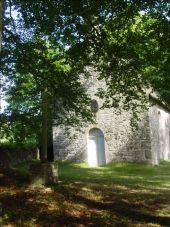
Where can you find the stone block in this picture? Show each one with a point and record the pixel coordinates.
(43, 174)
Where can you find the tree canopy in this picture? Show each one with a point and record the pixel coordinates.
(48, 44)
(44, 90)
(107, 34)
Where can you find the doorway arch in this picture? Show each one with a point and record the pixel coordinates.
(96, 148)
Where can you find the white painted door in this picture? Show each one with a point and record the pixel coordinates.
(92, 152)
(96, 148)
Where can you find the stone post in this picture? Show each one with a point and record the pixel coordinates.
(43, 174)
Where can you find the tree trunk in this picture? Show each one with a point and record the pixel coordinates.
(1, 21)
(1, 31)
(44, 125)
(50, 154)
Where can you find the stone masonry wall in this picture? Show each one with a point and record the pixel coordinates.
(11, 156)
(160, 133)
(122, 144)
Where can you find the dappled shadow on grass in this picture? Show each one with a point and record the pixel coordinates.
(9, 177)
(119, 203)
(115, 195)
(27, 207)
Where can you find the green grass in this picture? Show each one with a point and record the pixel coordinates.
(121, 173)
(113, 195)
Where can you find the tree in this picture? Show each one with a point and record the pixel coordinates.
(1, 31)
(137, 58)
(158, 58)
(1, 21)
(43, 78)
(101, 34)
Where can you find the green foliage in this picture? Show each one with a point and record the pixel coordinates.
(19, 129)
(39, 64)
(10, 147)
(49, 43)
(136, 58)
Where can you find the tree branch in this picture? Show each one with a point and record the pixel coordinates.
(10, 12)
(14, 37)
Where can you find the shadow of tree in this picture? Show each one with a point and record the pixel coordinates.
(121, 206)
(22, 207)
(9, 177)
(101, 199)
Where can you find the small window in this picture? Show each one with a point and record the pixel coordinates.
(94, 106)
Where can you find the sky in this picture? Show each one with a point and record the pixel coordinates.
(3, 104)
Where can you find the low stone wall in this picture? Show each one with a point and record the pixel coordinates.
(11, 156)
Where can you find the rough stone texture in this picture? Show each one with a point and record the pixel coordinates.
(149, 144)
(43, 174)
(9, 156)
(160, 133)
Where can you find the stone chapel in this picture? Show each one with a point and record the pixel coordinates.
(111, 138)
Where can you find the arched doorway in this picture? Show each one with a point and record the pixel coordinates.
(96, 148)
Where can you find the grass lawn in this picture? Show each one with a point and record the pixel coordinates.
(113, 195)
